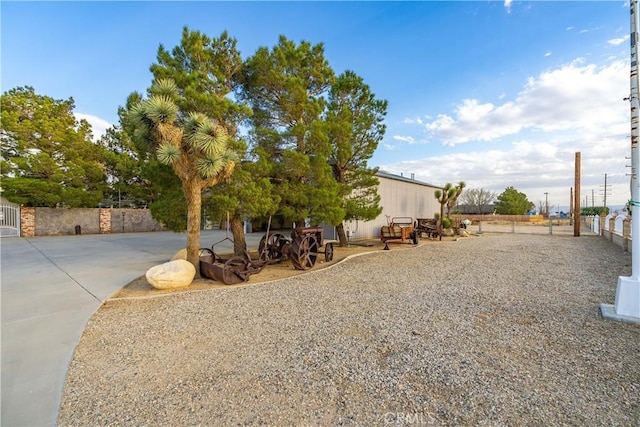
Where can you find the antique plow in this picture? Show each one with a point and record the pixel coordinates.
(236, 269)
(302, 249)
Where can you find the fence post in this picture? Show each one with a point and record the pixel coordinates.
(104, 220)
(612, 227)
(27, 221)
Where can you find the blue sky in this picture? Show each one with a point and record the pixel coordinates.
(494, 93)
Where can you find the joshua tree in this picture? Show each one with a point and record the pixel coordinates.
(194, 145)
(443, 197)
(453, 198)
(448, 197)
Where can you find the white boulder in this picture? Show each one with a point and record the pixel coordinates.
(171, 275)
(181, 254)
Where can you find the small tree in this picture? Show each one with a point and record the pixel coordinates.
(477, 198)
(442, 196)
(193, 144)
(513, 202)
(448, 196)
(453, 197)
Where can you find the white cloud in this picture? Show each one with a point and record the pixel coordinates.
(547, 54)
(507, 5)
(98, 126)
(408, 139)
(577, 97)
(533, 168)
(416, 120)
(530, 141)
(619, 40)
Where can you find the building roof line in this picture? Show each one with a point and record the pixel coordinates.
(389, 175)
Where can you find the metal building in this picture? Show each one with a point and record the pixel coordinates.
(399, 197)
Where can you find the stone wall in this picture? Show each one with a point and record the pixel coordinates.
(133, 221)
(56, 222)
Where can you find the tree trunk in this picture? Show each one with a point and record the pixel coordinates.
(441, 219)
(299, 223)
(237, 229)
(342, 236)
(193, 194)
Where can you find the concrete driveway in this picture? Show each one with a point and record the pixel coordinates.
(50, 287)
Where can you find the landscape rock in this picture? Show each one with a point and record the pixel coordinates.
(181, 254)
(170, 275)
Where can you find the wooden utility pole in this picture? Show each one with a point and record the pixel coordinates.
(576, 213)
(571, 205)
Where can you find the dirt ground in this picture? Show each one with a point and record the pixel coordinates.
(140, 288)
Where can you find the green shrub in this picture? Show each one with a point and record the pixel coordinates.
(446, 223)
(595, 210)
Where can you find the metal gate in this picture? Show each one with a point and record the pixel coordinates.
(9, 219)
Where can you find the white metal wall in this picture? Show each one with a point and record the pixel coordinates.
(399, 197)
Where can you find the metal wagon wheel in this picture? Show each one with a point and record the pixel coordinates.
(271, 248)
(208, 255)
(237, 266)
(328, 252)
(304, 252)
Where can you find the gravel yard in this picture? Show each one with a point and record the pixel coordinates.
(503, 329)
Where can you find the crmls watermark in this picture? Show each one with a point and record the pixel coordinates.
(407, 418)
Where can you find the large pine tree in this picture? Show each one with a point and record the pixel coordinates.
(355, 119)
(48, 157)
(286, 87)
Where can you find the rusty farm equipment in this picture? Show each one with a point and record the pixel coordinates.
(431, 227)
(302, 249)
(398, 228)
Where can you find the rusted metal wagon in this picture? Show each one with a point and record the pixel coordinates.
(398, 228)
(429, 226)
(302, 249)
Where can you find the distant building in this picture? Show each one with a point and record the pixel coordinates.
(472, 209)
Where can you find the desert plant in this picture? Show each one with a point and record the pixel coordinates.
(446, 223)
